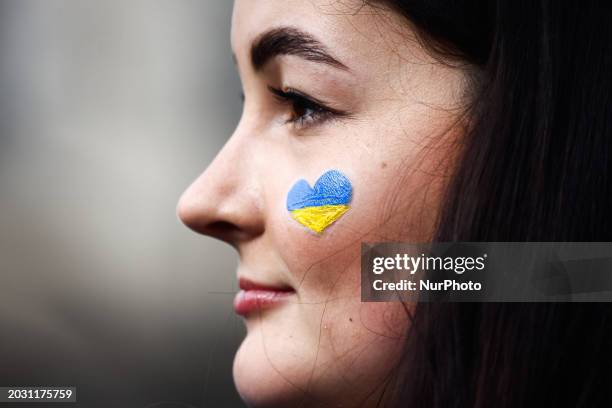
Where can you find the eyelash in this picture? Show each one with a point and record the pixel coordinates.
(306, 111)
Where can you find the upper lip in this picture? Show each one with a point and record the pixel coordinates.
(248, 284)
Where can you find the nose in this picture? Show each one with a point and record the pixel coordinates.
(225, 201)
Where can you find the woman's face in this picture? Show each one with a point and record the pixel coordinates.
(327, 85)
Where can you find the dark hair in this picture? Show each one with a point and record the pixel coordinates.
(535, 165)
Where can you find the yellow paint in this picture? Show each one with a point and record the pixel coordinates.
(319, 218)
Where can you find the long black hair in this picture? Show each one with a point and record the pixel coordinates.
(535, 165)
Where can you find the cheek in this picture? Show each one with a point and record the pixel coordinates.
(357, 347)
(329, 342)
(316, 261)
(363, 341)
(384, 207)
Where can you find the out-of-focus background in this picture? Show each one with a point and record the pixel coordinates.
(108, 110)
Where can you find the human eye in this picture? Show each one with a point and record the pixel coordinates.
(305, 110)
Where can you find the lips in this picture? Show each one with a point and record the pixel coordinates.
(256, 297)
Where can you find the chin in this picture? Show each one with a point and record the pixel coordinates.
(256, 378)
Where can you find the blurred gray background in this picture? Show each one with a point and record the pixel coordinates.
(108, 110)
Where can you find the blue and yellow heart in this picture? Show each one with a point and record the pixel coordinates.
(319, 206)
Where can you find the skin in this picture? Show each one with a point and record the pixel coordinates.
(324, 347)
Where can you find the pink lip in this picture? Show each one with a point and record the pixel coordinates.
(253, 296)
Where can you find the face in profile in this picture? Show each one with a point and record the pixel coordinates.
(345, 88)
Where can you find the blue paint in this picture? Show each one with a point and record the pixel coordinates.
(332, 188)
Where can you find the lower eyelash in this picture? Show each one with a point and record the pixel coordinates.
(320, 113)
(311, 119)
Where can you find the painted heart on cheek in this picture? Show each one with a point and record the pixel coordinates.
(320, 206)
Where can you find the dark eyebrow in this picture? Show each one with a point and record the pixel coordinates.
(290, 41)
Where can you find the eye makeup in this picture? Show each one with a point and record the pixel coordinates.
(305, 110)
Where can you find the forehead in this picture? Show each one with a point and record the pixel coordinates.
(352, 29)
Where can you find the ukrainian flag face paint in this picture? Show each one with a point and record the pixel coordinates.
(320, 206)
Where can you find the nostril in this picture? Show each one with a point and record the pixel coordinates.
(221, 227)
(224, 230)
